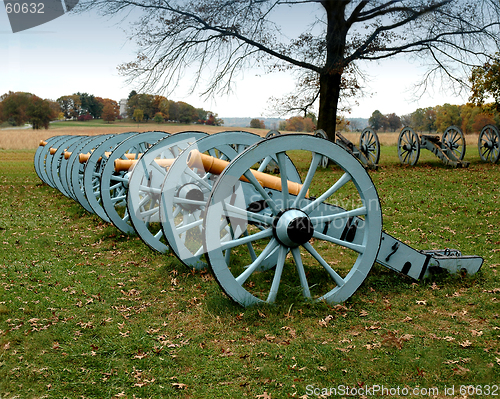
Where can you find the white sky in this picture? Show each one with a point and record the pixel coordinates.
(80, 53)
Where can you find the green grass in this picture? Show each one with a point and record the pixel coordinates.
(86, 311)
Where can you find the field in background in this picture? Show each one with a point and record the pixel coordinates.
(86, 311)
(17, 139)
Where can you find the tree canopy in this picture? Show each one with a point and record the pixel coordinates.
(225, 37)
(17, 108)
(485, 81)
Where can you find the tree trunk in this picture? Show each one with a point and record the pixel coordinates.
(328, 103)
(331, 74)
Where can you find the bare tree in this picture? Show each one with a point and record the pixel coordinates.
(225, 37)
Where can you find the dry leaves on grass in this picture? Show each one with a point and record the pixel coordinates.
(324, 322)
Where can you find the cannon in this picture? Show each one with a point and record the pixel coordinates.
(489, 144)
(450, 148)
(368, 151)
(264, 236)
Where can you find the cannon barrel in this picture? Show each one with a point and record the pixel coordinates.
(123, 165)
(216, 166)
(85, 157)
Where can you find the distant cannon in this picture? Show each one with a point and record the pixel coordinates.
(489, 144)
(368, 150)
(450, 148)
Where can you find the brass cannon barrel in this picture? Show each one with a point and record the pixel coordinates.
(82, 158)
(122, 165)
(216, 166)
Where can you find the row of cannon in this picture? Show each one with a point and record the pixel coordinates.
(449, 148)
(244, 206)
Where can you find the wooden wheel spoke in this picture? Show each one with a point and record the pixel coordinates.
(149, 190)
(264, 163)
(234, 211)
(257, 262)
(316, 159)
(189, 225)
(281, 156)
(333, 274)
(355, 247)
(269, 201)
(346, 177)
(297, 257)
(247, 238)
(273, 292)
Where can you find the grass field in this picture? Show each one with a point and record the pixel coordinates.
(87, 312)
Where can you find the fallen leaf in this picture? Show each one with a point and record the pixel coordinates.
(390, 339)
(226, 352)
(265, 395)
(460, 370)
(178, 385)
(140, 355)
(363, 313)
(466, 344)
(421, 302)
(374, 327)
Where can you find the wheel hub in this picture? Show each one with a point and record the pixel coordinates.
(293, 228)
(192, 192)
(489, 144)
(407, 147)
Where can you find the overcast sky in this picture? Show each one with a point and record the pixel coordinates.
(80, 53)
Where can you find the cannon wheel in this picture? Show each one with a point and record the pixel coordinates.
(143, 197)
(323, 271)
(57, 169)
(455, 141)
(93, 171)
(45, 158)
(321, 133)
(114, 185)
(489, 144)
(40, 154)
(76, 170)
(408, 146)
(66, 166)
(181, 216)
(369, 145)
(272, 133)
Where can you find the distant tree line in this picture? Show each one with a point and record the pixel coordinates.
(145, 107)
(469, 117)
(19, 108)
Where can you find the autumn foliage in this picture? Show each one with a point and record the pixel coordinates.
(298, 124)
(18, 108)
